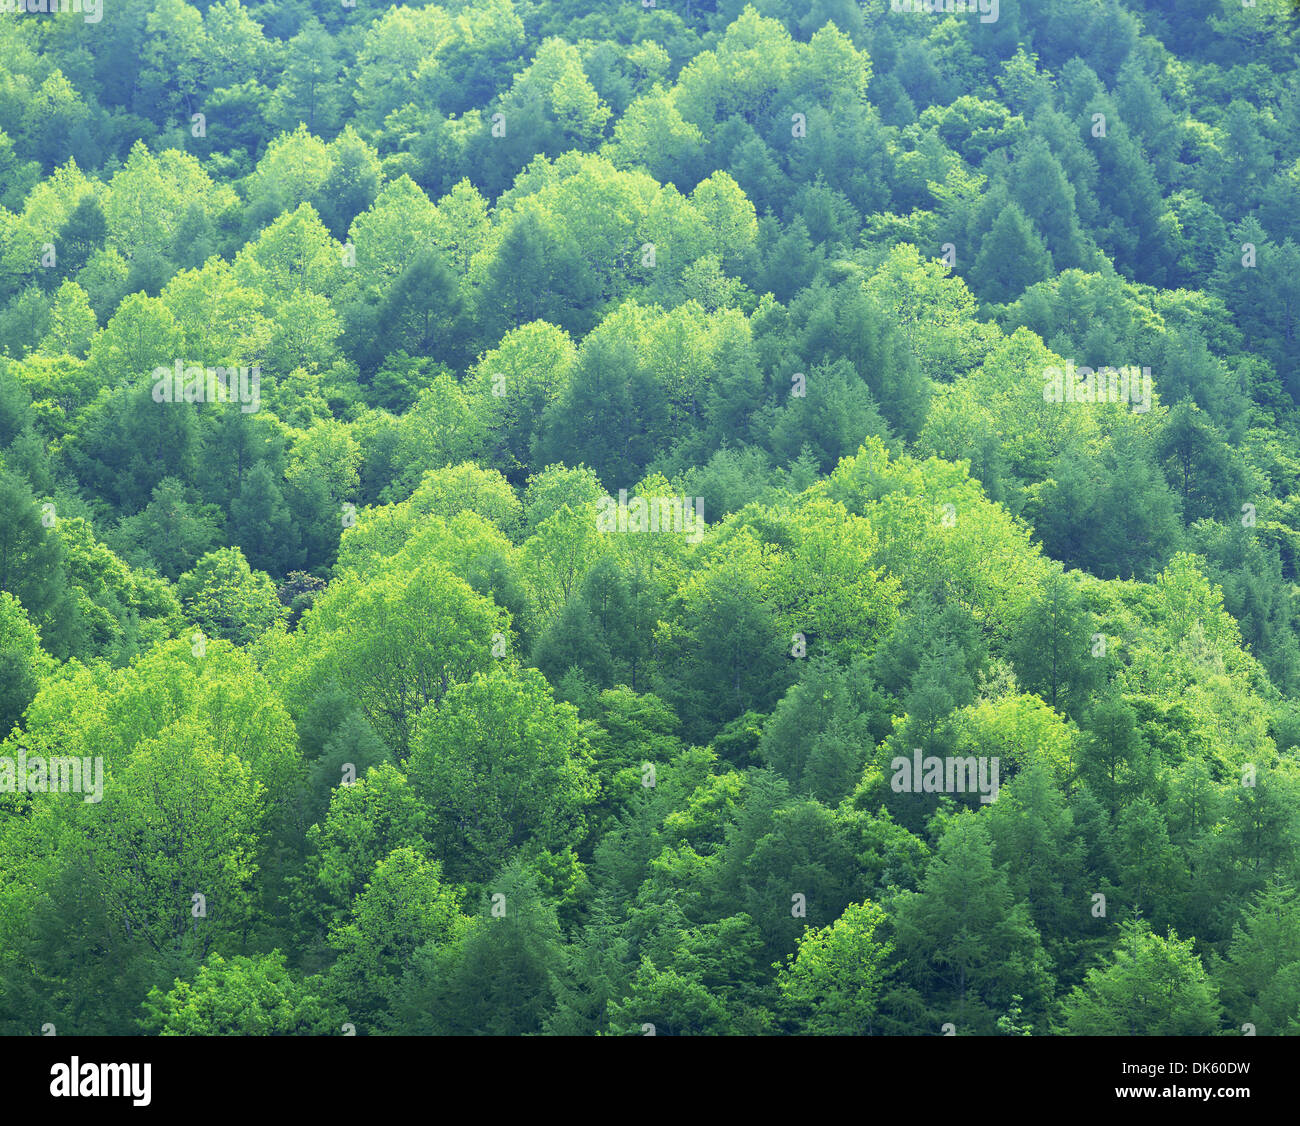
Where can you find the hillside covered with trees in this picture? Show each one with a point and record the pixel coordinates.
(662, 445)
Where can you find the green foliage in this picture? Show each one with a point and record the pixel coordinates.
(832, 985)
(223, 596)
(243, 997)
(1152, 986)
(370, 649)
(499, 763)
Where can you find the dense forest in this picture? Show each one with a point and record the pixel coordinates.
(650, 517)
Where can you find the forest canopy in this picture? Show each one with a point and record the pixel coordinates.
(720, 517)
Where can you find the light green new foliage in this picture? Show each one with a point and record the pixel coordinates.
(832, 983)
(398, 641)
(1152, 986)
(405, 905)
(226, 599)
(499, 763)
(179, 820)
(244, 996)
